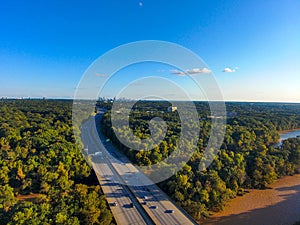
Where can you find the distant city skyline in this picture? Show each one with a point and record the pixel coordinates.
(251, 47)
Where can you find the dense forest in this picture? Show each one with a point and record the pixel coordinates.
(247, 159)
(44, 178)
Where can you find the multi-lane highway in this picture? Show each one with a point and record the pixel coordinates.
(118, 196)
(150, 204)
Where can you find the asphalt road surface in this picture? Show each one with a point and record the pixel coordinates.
(150, 204)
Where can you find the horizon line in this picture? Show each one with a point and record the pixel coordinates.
(196, 100)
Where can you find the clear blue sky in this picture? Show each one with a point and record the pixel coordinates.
(45, 46)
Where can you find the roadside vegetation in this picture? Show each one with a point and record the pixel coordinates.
(44, 178)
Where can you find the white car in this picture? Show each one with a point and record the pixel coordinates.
(114, 203)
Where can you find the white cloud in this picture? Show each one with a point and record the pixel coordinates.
(229, 70)
(191, 71)
(199, 70)
(179, 73)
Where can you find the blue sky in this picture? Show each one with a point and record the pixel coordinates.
(46, 46)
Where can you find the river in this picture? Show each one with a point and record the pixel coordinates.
(289, 134)
(279, 205)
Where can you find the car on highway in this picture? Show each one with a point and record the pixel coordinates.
(153, 207)
(169, 211)
(99, 154)
(114, 204)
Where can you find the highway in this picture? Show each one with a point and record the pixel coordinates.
(114, 171)
(112, 186)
